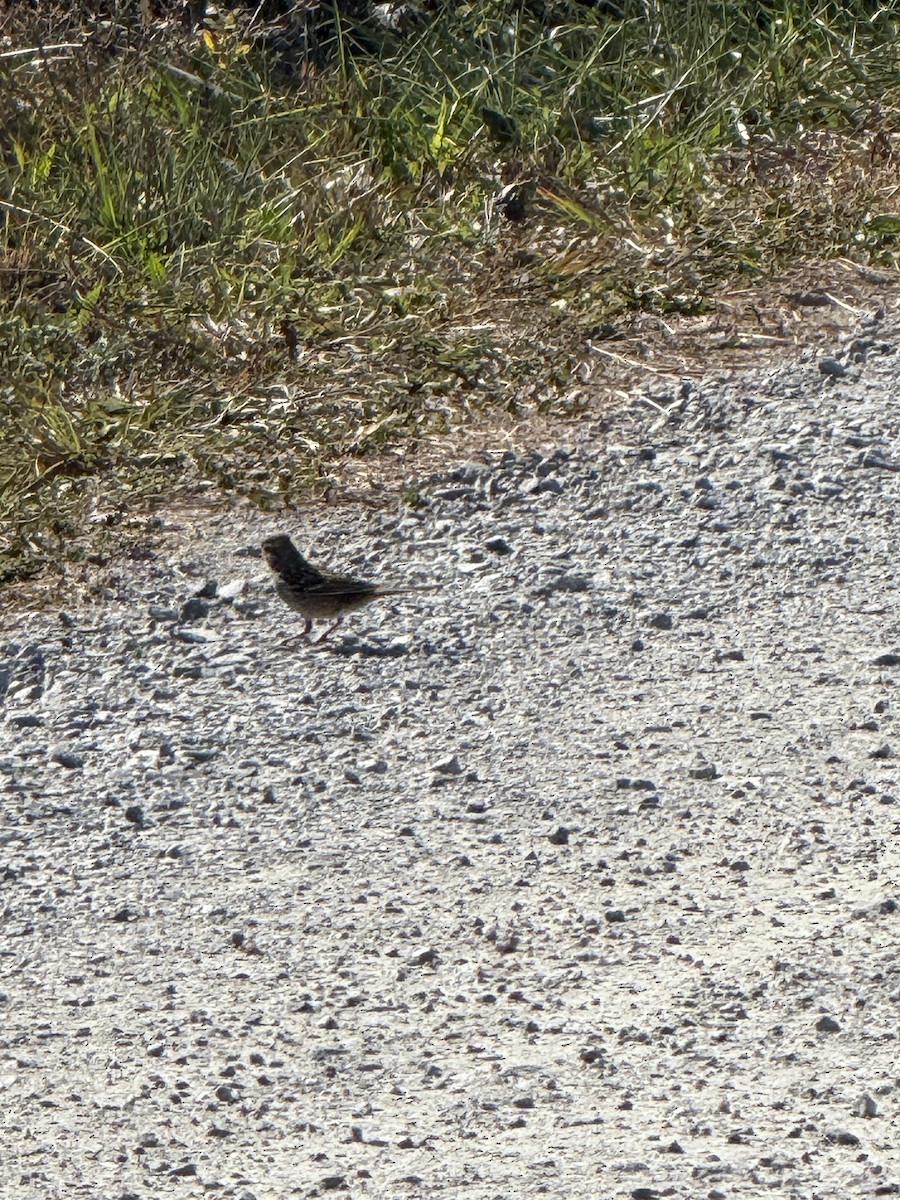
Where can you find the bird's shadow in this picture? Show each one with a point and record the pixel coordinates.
(347, 648)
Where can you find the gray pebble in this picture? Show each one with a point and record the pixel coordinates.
(448, 766)
(832, 368)
(543, 486)
(68, 758)
(841, 1137)
(194, 609)
(827, 1024)
(158, 613)
(866, 1106)
(567, 583)
(705, 774)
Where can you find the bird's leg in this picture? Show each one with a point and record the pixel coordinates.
(328, 632)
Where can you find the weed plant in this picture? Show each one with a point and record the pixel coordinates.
(239, 243)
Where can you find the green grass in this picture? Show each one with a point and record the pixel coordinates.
(223, 269)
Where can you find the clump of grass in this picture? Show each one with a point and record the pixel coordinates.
(230, 256)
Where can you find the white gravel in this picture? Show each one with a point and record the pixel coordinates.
(577, 877)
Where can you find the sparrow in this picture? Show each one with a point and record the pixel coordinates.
(319, 594)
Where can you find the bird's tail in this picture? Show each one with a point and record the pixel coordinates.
(401, 590)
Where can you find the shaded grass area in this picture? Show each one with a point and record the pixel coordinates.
(230, 254)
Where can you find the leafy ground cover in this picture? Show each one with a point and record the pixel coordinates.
(242, 242)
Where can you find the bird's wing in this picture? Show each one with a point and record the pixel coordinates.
(336, 585)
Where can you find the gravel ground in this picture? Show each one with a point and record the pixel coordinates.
(576, 877)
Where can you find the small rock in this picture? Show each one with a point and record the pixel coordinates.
(546, 485)
(705, 773)
(200, 754)
(662, 621)
(866, 1106)
(190, 671)
(428, 958)
(68, 758)
(194, 609)
(498, 545)
(448, 766)
(195, 637)
(841, 1137)
(827, 1025)
(567, 583)
(231, 591)
(162, 614)
(832, 368)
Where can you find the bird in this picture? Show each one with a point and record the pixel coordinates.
(319, 595)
